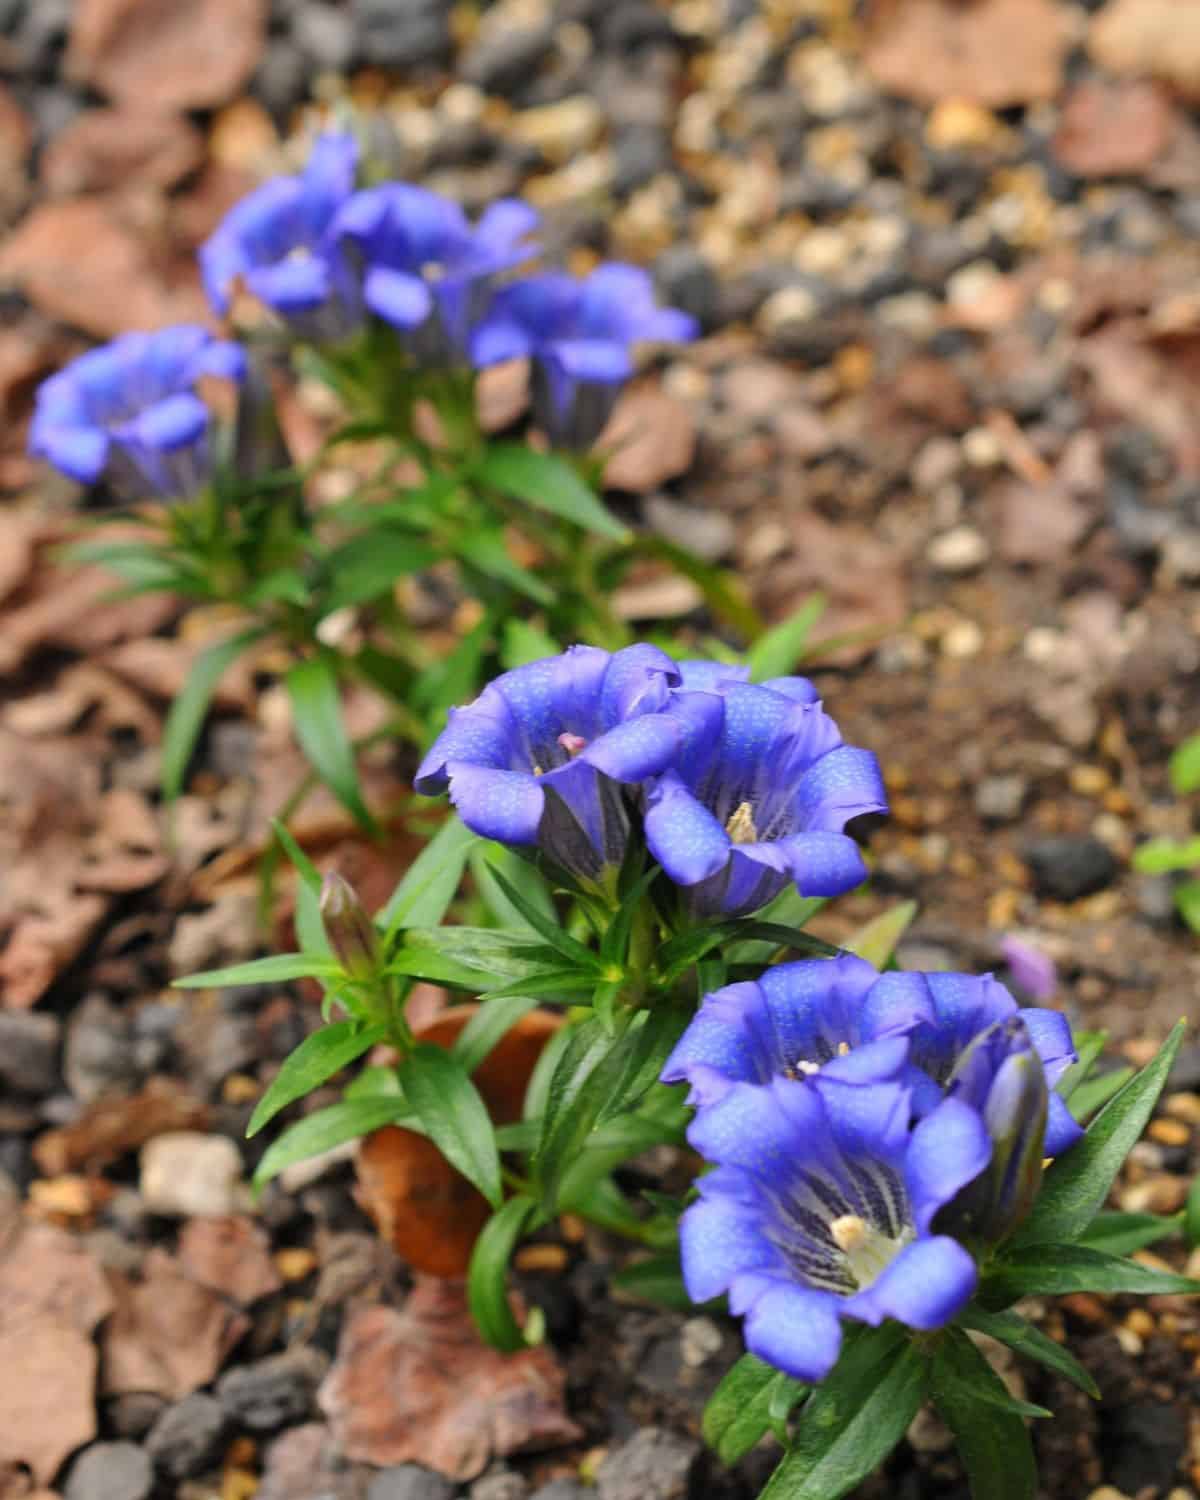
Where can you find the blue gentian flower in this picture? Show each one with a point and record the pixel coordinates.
(540, 757)
(840, 1018)
(276, 241)
(129, 412)
(579, 334)
(744, 812)
(822, 1207)
(425, 269)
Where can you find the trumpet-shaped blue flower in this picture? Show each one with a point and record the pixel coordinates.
(822, 1206)
(579, 336)
(276, 241)
(540, 757)
(762, 803)
(840, 1018)
(425, 269)
(129, 412)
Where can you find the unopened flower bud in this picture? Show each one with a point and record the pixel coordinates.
(1002, 1077)
(351, 933)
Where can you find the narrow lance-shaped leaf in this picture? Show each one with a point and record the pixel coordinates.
(778, 652)
(316, 1059)
(1077, 1184)
(988, 1429)
(548, 483)
(327, 1128)
(1011, 1329)
(453, 1115)
(186, 714)
(278, 968)
(487, 1279)
(877, 941)
(739, 1410)
(317, 713)
(429, 884)
(853, 1419)
(1055, 1270)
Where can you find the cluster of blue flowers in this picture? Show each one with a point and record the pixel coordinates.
(738, 789)
(325, 258)
(870, 1135)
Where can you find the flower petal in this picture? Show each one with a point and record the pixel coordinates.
(682, 834)
(80, 452)
(1062, 1129)
(168, 424)
(502, 805)
(927, 1284)
(638, 748)
(291, 286)
(760, 1129)
(949, 1148)
(795, 1329)
(398, 298)
(823, 864)
(718, 1239)
(726, 1035)
(845, 783)
(1050, 1032)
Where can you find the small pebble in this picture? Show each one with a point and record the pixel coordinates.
(410, 1482)
(1000, 799)
(185, 1173)
(110, 1471)
(188, 1437)
(654, 1465)
(960, 550)
(699, 1340)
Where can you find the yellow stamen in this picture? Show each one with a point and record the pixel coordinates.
(740, 826)
(849, 1233)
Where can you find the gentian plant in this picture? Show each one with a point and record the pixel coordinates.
(393, 299)
(888, 1162)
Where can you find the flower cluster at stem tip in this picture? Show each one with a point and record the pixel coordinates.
(738, 789)
(328, 258)
(870, 1135)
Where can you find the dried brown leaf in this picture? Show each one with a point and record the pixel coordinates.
(112, 1126)
(418, 1385)
(167, 1335)
(231, 1255)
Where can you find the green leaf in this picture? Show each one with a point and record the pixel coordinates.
(487, 551)
(1076, 1185)
(277, 969)
(327, 1128)
(486, 859)
(427, 889)
(990, 1432)
(724, 592)
(310, 926)
(1024, 1338)
(1095, 1092)
(878, 940)
(479, 958)
(186, 714)
(548, 483)
(1054, 1270)
(1187, 903)
(367, 566)
(549, 930)
(853, 1419)
(739, 1410)
(649, 1046)
(317, 711)
(453, 1115)
(1123, 1233)
(523, 642)
(487, 1279)
(1184, 766)
(317, 1058)
(1163, 856)
(491, 1021)
(789, 909)
(780, 649)
(573, 1099)
(1191, 1214)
